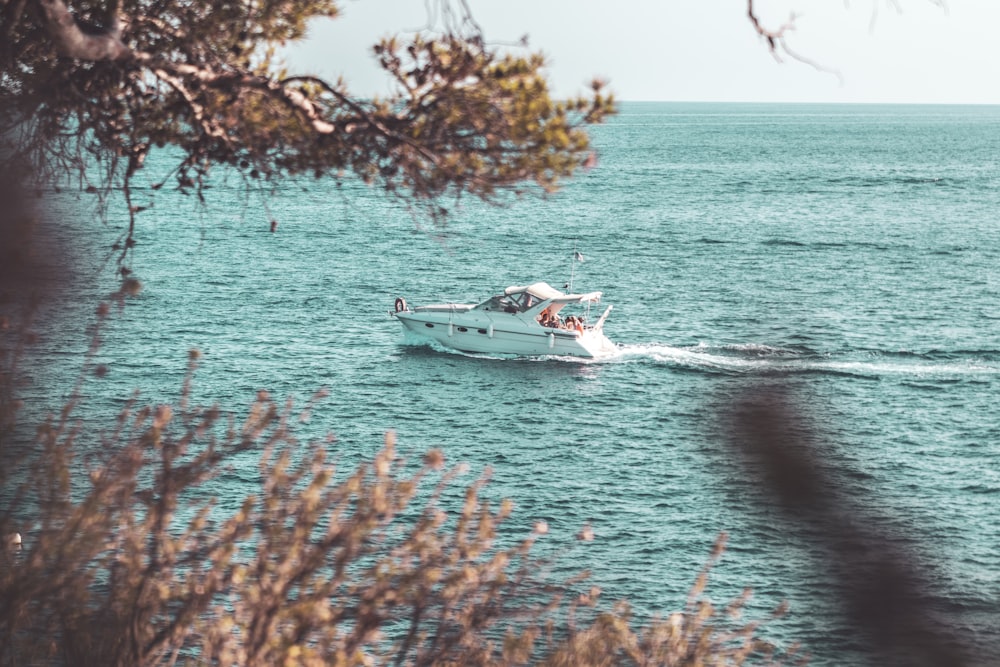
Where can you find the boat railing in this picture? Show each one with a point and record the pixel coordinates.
(599, 325)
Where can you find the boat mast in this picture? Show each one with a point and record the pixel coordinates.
(572, 266)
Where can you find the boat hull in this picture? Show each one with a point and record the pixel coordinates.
(501, 333)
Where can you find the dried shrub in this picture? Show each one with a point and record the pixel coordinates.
(131, 565)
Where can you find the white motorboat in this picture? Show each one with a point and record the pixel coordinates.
(526, 320)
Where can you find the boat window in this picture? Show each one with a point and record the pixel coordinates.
(499, 303)
(523, 301)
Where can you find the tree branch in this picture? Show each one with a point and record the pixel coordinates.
(369, 118)
(197, 109)
(73, 42)
(466, 119)
(773, 37)
(776, 40)
(171, 71)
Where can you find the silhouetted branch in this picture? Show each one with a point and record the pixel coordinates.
(883, 597)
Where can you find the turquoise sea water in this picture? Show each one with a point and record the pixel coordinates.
(849, 252)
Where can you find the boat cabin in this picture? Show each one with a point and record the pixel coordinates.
(517, 299)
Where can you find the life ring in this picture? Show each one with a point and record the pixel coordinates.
(400, 304)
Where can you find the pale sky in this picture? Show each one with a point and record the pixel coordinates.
(907, 51)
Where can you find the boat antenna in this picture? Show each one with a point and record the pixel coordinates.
(577, 257)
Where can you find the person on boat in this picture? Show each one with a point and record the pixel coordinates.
(546, 319)
(574, 322)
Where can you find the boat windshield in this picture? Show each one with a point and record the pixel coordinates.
(523, 301)
(510, 303)
(500, 303)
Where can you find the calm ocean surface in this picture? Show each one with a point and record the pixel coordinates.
(850, 252)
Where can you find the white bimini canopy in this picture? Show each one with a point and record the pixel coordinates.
(546, 292)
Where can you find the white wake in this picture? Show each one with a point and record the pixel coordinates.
(755, 358)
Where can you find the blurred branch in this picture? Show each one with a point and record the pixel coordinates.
(882, 595)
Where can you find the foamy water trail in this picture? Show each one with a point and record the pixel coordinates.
(756, 358)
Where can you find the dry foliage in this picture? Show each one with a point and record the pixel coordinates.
(131, 565)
